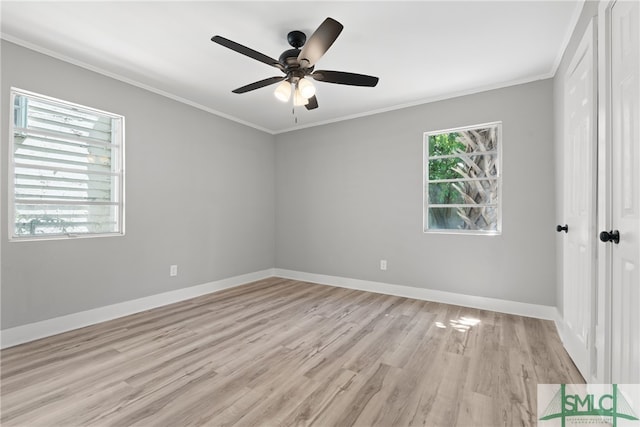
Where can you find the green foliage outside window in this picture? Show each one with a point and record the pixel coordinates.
(462, 171)
(440, 145)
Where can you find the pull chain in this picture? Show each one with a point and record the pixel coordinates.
(293, 103)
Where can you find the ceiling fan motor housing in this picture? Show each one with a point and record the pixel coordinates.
(289, 60)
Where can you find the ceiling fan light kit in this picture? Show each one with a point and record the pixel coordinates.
(306, 88)
(299, 100)
(283, 91)
(297, 64)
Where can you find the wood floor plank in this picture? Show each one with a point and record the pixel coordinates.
(479, 410)
(389, 403)
(322, 397)
(289, 353)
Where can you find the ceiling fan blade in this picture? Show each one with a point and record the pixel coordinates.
(259, 84)
(313, 103)
(343, 78)
(246, 51)
(319, 42)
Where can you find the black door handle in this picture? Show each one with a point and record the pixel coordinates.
(610, 236)
(564, 228)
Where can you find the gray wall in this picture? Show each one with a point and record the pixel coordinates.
(350, 194)
(220, 199)
(199, 193)
(589, 10)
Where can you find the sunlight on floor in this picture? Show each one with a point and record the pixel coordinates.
(461, 324)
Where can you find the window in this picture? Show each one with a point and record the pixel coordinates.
(66, 169)
(462, 182)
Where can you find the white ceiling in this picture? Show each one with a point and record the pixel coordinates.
(421, 50)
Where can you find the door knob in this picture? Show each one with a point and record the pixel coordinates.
(610, 236)
(564, 228)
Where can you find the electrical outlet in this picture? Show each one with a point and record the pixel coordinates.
(383, 264)
(173, 270)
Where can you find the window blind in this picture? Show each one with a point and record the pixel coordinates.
(67, 168)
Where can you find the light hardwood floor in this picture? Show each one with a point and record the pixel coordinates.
(283, 352)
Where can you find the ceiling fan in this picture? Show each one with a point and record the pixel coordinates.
(298, 64)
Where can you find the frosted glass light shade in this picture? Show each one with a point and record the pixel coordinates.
(298, 99)
(307, 89)
(283, 91)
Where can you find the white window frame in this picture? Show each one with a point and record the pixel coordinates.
(425, 182)
(118, 138)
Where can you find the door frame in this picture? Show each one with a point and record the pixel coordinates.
(602, 314)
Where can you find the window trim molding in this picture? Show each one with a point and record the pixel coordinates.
(425, 181)
(11, 182)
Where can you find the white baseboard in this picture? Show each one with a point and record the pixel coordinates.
(560, 325)
(33, 331)
(493, 304)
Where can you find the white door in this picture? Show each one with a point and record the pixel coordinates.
(579, 201)
(625, 191)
